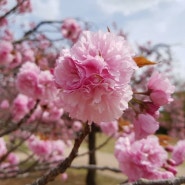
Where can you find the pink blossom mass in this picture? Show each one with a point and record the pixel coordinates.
(69, 90)
(141, 159)
(94, 77)
(28, 80)
(6, 56)
(109, 128)
(160, 89)
(3, 148)
(145, 125)
(20, 107)
(178, 154)
(71, 29)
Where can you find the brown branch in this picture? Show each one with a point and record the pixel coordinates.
(12, 10)
(23, 120)
(98, 147)
(39, 25)
(62, 166)
(172, 181)
(31, 31)
(11, 150)
(101, 168)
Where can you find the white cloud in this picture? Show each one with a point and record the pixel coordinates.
(47, 9)
(128, 7)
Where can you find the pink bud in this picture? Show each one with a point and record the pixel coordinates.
(170, 169)
(145, 125)
(171, 162)
(4, 104)
(64, 176)
(169, 148)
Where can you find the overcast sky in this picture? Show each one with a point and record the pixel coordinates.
(144, 20)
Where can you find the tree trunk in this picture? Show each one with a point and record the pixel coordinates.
(91, 173)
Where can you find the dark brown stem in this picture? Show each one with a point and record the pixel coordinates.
(91, 173)
(62, 166)
(173, 181)
(12, 10)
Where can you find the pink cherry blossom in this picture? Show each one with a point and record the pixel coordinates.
(4, 104)
(58, 147)
(6, 56)
(170, 168)
(13, 159)
(20, 107)
(50, 150)
(77, 126)
(141, 159)
(109, 128)
(47, 86)
(39, 147)
(3, 148)
(151, 108)
(94, 76)
(178, 154)
(10, 165)
(160, 89)
(145, 125)
(28, 54)
(25, 6)
(71, 29)
(64, 176)
(52, 114)
(28, 80)
(17, 60)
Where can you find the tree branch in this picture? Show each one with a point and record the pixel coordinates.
(23, 120)
(11, 10)
(172, 181)
(101, 168)
(62, 167)
(98, 147)
(39, 25)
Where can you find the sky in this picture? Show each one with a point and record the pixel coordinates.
(159, 21)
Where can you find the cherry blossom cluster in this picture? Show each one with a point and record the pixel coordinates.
(49, 94)
(94, 75)
(8, 166)
(47, 150)
(71, 29)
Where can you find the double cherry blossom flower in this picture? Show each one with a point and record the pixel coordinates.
(94, 77)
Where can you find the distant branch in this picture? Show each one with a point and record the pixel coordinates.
(97, 148)
(39, 25)
(172, 181)
(31, 31)
(23, 120)
(12, 10)
(101, 168)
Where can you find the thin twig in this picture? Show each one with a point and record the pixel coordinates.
(101, 168)
(62, 166)
(172, 181)
(98, 147)
(11, 10)
(23, 120)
